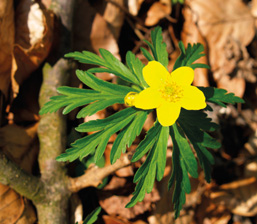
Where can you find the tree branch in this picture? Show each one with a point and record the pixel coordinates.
(22, 182)
(94, 175)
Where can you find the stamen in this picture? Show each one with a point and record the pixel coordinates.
(171, 92)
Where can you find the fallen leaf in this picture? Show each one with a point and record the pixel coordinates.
(11, 205)
(33, 39)
(134, 6)
(157, 12)
(6, 44)
(114, 16)
(119, 220)
(239, 196)
(29, 215)
(20, 144)
(235, 85)
(224, 24)
(191, 34)
(254, 8)
(102, 37)
(209, 213)
(118, 192)
(251, 169)
(93, 32)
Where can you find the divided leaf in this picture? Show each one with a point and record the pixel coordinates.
(94, 143)
(158, 48)
(188, 56)
(220, 96)
(156, 141)
(108, 61)
(181, 162)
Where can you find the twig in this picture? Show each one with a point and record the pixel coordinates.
(22, 182)
(94, 175)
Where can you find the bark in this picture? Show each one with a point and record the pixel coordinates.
(51, 133)
(52, 127)
(22, 182)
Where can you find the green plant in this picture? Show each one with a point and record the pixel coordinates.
(189, 129)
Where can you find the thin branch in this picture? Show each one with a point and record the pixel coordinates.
(22, 182)
(94, 175)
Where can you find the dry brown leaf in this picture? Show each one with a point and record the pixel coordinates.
(235, 85)
(93, 32)
(134, 6)
(191, 34)
(238, 196)
(119, 220)
(33, 39)
(114, 16)
(6, 44)
(11, 205)
(251, 169)
(102, 37)
(28, 216)
(254, 8)
(157, 12)
(47, 3)
(117, 193)
(20, 144)
(210, 213)
(228, 27)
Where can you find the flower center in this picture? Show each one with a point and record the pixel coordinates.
(171, 92)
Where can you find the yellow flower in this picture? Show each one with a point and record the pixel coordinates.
(167, 92)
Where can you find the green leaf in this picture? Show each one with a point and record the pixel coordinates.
(149, 140)
(189, 56)
(94, 143)
(179, 177)
(154, 164)
(92, 217)
(101, 124)
(72, 100)
(194, 130)
(100, 85)
(108, 61)
(119, 69)
(97, 106)
(186, 152)
(127, 135)
(99, 70)
(159, 47)
(104, 94)
(220, 96)
(161, 152)
(148, 56)
(198, 119)
(87, 58)
(136, 67)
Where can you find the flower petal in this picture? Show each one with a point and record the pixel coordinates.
(148, 99)
(183, 75)
(168, 113)
(193, 99)
(155, 74)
